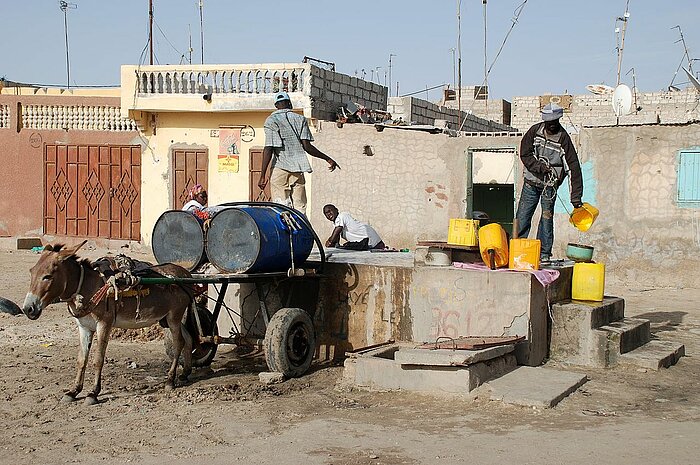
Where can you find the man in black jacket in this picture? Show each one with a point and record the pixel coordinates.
(549, 157)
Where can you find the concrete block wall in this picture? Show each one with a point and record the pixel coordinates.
(331, 90)
(498, 110)
(592, 110)
(418, 111)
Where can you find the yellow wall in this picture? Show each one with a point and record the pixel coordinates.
(192, 130)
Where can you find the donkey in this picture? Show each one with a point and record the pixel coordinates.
(60, 275)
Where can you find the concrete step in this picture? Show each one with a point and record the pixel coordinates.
(654, 355)
(591, 314)
(573, 323)
(534, 386)
(629, 333)
(612, 340)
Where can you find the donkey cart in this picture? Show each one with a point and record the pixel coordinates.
(258, 247)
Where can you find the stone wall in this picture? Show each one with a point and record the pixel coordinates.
(630, 175)
(596, 110)
(408, 188)
(418, 111)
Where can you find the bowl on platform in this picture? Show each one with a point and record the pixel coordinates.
(579, 252)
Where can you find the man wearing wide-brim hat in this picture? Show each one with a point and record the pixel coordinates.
(287, 141)
(549, 157)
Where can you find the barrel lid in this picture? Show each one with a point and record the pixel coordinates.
(178, 238)
(233, 240)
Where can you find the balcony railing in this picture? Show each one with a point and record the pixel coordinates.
(222, 79)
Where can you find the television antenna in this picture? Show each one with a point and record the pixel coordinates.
(65, 6)
(621, 38)
(693, 80)
(622, 100)
(686, 55)
(634, 88)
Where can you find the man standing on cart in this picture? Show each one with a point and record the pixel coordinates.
(287, 141)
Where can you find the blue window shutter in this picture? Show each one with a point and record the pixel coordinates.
(689, 178)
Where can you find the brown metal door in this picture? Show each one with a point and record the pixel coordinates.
(92, 191)
(189, 169)
(256, 194)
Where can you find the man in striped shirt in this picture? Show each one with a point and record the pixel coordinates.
(287, 141)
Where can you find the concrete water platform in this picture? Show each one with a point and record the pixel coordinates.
(534, 386)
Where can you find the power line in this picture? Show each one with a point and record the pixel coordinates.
(517, 12)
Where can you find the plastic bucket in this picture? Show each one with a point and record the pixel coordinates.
(178, 238)
(493, 243)
(588, 282)
(583, 217)
(462, 232)
(524, 254)
(254, 239)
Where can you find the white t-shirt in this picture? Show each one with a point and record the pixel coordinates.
(192, 205)
(355, 231)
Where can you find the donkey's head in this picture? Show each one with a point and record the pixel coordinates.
(49, 278)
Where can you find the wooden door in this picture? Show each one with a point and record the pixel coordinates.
(189, 168)
(92, 191)
(255, 193)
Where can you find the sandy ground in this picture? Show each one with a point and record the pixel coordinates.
(223, 415)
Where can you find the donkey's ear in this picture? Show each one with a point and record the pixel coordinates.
(67, 252)
(48, 248)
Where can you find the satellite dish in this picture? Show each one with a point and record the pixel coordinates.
(693, 80)
(622, 100)
(599, 89)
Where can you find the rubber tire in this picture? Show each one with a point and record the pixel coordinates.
(290, 342)
(8, 306)
(202, 354)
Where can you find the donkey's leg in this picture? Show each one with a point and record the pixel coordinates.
(175, 325)
(83, 354)
(103, 330)
(186, 353)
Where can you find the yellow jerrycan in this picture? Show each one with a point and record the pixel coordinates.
(493, 245)
(524, 254)
(588, 282)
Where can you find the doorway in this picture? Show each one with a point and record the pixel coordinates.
(255, 193)
(190, 167)
(493, 184)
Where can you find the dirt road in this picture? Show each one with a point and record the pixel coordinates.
(223, 415)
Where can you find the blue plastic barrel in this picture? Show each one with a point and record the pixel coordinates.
(178, 238)
(254, 239)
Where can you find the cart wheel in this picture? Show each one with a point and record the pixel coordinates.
(290, 342)
(202, 354)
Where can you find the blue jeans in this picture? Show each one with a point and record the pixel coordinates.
(529, 198)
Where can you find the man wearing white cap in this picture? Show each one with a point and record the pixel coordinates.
(549, 157)
(287, 141)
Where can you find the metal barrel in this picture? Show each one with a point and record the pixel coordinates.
(254, 239)
(178, 238)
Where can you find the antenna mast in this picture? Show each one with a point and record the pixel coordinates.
(391, 55)
(190, 49)
(150, 29)
(621, 39)
(64, 6)
(201, 26)
(459, 58)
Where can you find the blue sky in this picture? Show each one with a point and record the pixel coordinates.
(556, 46)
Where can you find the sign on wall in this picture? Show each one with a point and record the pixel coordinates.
(229, 150)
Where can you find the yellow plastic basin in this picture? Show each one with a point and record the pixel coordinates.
(583, 217)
